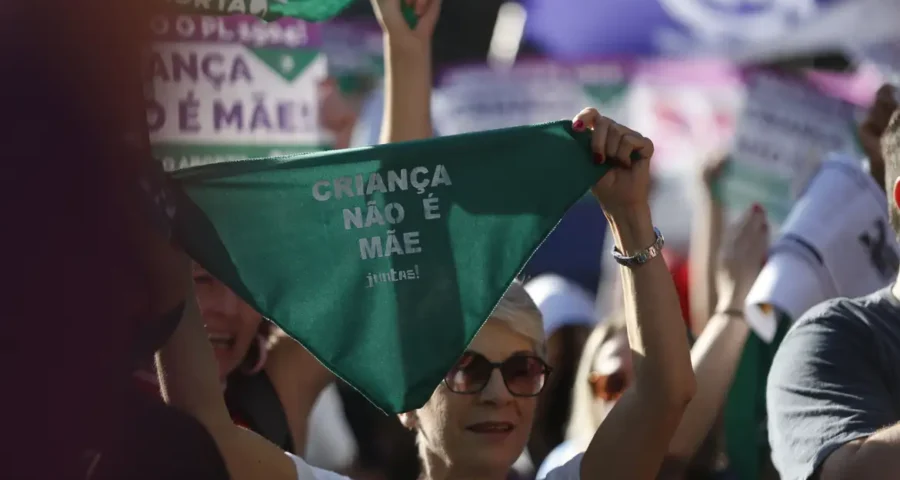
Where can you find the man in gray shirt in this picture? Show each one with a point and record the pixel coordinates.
(833, 393)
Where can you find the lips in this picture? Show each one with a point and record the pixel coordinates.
(220, 340)
(491, 428)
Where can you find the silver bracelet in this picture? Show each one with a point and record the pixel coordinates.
(644, 255)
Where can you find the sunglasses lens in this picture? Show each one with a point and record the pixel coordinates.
(524, 375)
(469, 375)
(615, 384)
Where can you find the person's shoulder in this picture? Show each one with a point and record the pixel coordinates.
(570, 470)
(307, 472)
(841, 316)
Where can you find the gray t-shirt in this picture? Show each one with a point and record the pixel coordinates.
(834, 379)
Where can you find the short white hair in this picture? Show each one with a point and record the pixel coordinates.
(518, 312)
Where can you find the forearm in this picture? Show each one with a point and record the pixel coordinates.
(407, 92)
(715, 357)
(646, 417)
(656, 332)
(188, 378)
(298, 381)
(706, 239)
(188, 375)
(865, 459)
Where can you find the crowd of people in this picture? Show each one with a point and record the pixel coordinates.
(200, 385)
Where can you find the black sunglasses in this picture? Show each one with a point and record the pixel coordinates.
(523, 375)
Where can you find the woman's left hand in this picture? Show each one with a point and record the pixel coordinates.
(625, 188)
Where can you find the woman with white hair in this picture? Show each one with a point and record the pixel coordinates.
(478, 420)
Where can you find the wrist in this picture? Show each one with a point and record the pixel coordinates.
(730, 306)
(631, 228)
(406, 53)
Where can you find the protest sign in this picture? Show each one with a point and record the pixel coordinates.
(837, 242)
(687, 107)
(355, 54)
(785, 129)
(230, 88)
(385, 261)
(475, 98)
(885, 56)
(311, 10)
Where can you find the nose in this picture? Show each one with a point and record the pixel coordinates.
(495, 391)
(228, 299)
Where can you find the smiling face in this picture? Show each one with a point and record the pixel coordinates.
(230, 323)
(481, 434)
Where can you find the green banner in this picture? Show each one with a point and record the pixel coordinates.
(385, 261)
(311, 10)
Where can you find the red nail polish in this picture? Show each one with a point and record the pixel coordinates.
(578, 125)
(757, 208)
(599, 159)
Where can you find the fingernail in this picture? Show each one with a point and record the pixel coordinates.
(757, 208)
(578, 125)
(599, 159)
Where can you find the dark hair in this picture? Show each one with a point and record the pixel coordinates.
(890, 145)
(890, 151)
(253, 353)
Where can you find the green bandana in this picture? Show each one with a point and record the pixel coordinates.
(385, 261)
(311, 10)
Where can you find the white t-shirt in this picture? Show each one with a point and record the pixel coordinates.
(306, 472)
(571, 470)
(561, 457)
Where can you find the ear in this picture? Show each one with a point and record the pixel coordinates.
(409, 420)
(895, 193)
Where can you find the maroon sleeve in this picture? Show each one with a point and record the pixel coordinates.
(76, 290)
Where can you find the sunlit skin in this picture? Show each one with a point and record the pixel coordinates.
(230, 323)
(446, 422)
(613, 359)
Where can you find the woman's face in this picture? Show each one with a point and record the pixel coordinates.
(486, 431)
(611, 373)
(230, 323)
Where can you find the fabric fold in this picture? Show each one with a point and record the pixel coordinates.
(385, 261)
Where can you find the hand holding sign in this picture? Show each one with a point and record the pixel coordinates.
(403, 29)
(621, 189)
(741, 259)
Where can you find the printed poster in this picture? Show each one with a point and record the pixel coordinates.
(230, 88)
(885, 56)
(785, 129)
(477, 98)
(355, 53)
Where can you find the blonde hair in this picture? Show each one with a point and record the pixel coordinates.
(582, 419)
(518, 312)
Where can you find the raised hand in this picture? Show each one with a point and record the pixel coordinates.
(711, 171)
(396, 29)
(742, 257)
(627, 186)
